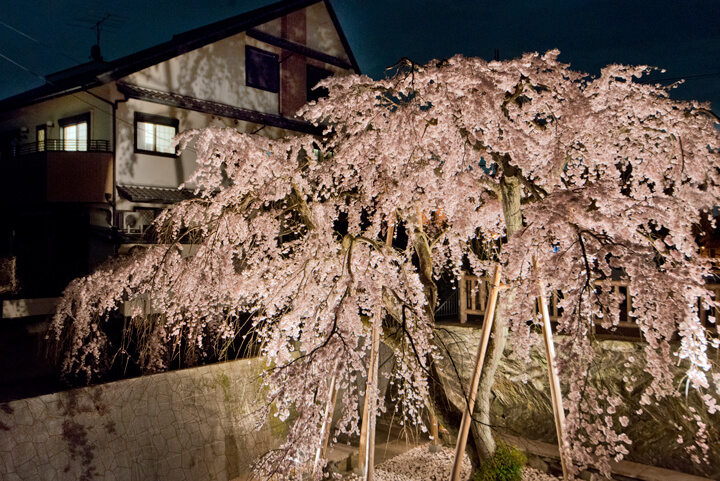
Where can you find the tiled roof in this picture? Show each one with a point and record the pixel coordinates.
(157, 195)
(217, 108)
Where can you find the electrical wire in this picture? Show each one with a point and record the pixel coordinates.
(44, 79)
(22, 67)
(33, 39)
(95, 107)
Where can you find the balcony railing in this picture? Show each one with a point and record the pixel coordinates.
(52, 171)
(62, 145)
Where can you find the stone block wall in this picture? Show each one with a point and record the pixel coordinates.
(194, 424)
(522, 406)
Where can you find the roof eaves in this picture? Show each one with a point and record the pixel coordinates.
(47, 92)
(216, 108)
(179, 44)
(201, 36)
(158, 195)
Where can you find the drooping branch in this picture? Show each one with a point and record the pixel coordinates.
(305, 214)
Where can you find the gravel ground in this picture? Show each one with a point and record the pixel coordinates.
(419, 464)
(530, 474)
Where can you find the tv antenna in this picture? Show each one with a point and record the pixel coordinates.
(109, 22)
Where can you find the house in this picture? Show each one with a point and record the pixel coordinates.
(86, 161)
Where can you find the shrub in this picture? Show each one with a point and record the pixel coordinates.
(505, 465)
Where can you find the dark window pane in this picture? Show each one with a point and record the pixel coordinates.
(314, 75)
(262, 69)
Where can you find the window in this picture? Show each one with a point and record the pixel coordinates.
(154, 134)
(75, 132)
(262, 69)
(314, 75)
(41, 137)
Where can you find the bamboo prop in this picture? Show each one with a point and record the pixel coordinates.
(434, 429)
(362, 449)
(366, 454)
(558, 410)
(325, 430)
(370, 465)
(475, 381)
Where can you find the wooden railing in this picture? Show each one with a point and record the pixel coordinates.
(472, 297)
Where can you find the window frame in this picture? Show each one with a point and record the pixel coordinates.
(156, 120)
(75, 120)
(275, 88)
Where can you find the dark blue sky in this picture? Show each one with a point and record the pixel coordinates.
(681, 36)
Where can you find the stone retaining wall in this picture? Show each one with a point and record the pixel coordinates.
(194, 424)
(521, 404)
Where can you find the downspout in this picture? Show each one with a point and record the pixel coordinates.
(114, 106)
(114, 161)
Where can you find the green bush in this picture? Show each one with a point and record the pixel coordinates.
(505, 465)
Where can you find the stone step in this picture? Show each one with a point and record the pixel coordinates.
(641, 472)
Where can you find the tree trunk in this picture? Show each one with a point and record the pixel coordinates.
(425, 269)
(448, 415)
(510, 190)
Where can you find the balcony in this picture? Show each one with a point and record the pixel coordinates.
(57, 170)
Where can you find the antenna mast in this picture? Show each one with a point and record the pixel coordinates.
(109, 22)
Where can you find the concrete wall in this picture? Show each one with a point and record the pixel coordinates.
(195, 424)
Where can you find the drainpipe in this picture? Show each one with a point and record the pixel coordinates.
(112, 200)
(114, 146)
(114, 106)
(114, 222)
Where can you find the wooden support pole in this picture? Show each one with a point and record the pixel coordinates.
(463, 299)
(327, 424)
(366, 455)
(333, 403)
(434, 429)
(555, 392)
(475, 381)
(362, 448)
(370, 466)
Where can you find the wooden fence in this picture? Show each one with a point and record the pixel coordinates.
(473, 291)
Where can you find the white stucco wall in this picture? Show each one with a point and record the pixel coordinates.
(215, 72)
(57, 109)
(321, 33)
(134, 168)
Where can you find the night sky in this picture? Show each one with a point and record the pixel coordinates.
(683, 37)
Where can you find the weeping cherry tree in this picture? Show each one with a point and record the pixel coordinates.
(565, 178)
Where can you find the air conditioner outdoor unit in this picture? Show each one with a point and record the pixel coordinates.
(132, 223)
